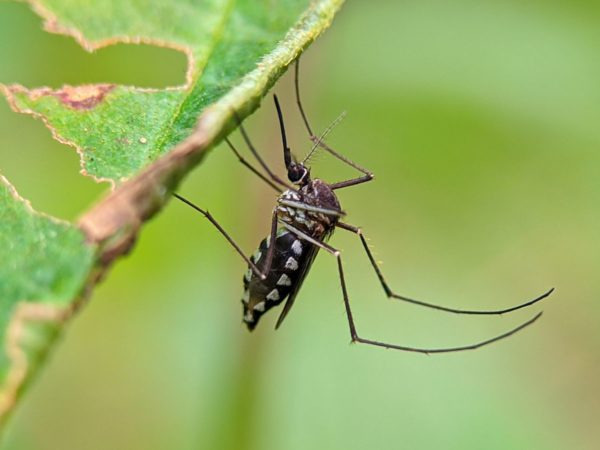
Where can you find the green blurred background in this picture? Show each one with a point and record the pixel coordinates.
(482, 124)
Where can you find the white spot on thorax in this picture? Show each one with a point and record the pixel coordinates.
(259, 307)
(249, 317)
(246, 296)
(307, 222)
(248, 275)
(290, 195)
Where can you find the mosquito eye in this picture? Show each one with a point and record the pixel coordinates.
(296, 173)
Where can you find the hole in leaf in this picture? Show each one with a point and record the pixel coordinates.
(34, 58)
(43, 170)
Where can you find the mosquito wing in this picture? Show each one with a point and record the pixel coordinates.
(312, 253)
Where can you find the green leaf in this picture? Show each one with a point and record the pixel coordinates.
(120, 129)
(142, 141)
(45, 264)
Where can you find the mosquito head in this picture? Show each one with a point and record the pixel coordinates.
(298, 173)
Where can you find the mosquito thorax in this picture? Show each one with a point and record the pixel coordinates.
(316, 193)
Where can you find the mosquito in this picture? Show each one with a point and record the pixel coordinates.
(306, 214)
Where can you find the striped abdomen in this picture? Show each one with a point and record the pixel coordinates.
(289, 258)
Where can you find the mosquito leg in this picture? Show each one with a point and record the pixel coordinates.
(354, 334)
(271, 246)
(352, 182)
(391, 294)
(342, 158)
(367, 176)
(271, 174)
(298, 101)
(252, 168)
(262, 274)
(316, 209)
(302, 235)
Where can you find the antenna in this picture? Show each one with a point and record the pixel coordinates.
(324, 135)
